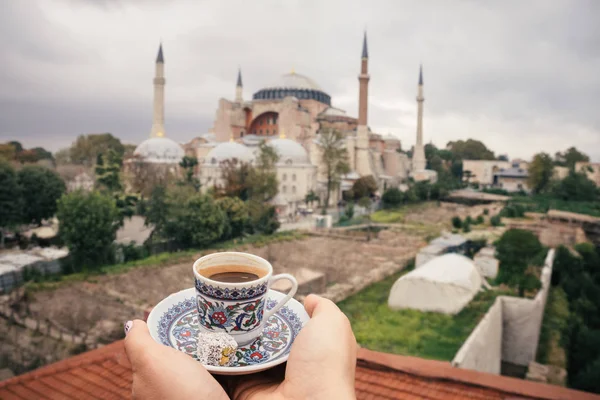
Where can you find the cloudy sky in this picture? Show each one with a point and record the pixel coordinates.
(522, 76)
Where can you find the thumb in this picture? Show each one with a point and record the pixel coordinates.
(138, 341)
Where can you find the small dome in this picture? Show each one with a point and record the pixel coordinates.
(294, 81)
(227, 151)
(289, 151)
(160, 150)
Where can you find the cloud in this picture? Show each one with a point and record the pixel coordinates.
(522, 77)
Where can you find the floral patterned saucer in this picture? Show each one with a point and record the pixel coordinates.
(174, 322)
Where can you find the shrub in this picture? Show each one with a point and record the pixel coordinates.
(516, 251)
(237, 218)
(466, 227)
(263, 218)
(349, 211)
(479, 220)
(486, 211)
(392, 198)
(468, 220)
(365, 186)
(496, 220)
(456, 222)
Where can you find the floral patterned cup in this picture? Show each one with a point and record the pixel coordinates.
(236, 308)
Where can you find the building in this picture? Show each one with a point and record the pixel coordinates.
(592, 170)
(300, 107)
(481, 172)
(513, 179)
(158, 149)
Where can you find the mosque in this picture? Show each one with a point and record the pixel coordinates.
(289, 115)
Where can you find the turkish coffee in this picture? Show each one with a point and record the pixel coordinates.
(232, 273)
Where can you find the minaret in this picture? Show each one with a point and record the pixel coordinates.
(158, 120)
(239, 88)
(362, 166)
(418, 159)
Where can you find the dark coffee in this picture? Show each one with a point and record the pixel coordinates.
(232, 273)
(233, 277)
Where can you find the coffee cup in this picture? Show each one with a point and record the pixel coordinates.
(231, 292)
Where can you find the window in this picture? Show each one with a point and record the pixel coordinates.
(288, 161)
(293, 177)
(284, 177)
(294, 189)
(267, 131)
(260, 132)
(242, 134)
(283, 189)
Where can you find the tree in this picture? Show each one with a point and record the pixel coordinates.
(516, 250)
(11, 204)
(88, 226)
(263, 218)
(392, 198)
(87, 147)
(310, 198)
(237, 215)
(7, 152)
(156, 213)
(144, 176)
(541, 170)
(262, 177)
(467, 175)
(41, 190)
(236, 179)
(456, 222)
(334, 158)
(108, 171)
(570, 157)
(470, 150)
(365, 186)
(189, 164)
(575, 187)
(193, 219)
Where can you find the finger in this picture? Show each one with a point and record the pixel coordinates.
(316, 305)
(138, 342)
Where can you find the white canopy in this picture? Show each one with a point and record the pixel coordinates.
(444, 284)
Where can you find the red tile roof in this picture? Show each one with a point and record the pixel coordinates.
(105, 373)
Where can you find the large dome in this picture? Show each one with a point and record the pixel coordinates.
(229, 150)
(295, 85)
(160, 150)
(289, 151)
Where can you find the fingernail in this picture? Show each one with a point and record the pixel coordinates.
(128, 326)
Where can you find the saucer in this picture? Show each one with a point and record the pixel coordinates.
(174, 322)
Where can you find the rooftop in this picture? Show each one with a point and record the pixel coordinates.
(106, 373)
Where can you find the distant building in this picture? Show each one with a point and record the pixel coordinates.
(482, 171)
(513, 179)
(560, 172)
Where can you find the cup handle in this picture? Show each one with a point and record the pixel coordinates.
(287, 297)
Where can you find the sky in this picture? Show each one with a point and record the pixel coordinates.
(521, 76)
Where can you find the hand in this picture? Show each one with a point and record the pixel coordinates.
(163, 373)
(321, 364)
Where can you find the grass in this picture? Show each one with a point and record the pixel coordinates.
(391, 216)
(163, 259)
(556, 315)
(541, 203)
(410, 332)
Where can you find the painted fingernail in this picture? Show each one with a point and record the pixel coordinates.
(127, 326)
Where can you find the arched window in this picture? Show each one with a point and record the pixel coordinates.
(294, 189)
(288, 161)
(284, 177)
(283, 189)
(293, 177)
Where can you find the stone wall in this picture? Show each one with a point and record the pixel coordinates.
(482, 351)
(509, 332)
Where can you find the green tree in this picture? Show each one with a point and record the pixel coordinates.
(63, 156)
(237, 215)
(263, 218)
(516, 250)
(310, 198)
(541, 170)
(470, 150)
(41, 190)
(11, 203)
(365, 186)
(570, 157)
(575, 187)
(236, 179)
(189, 164)
(262, 178)
(87, 147)
(88, 226)
(456, 222)
(7, 152)
(156, 213)
(392, 198)
(334, 158)
(193, 220)
(108, 171)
